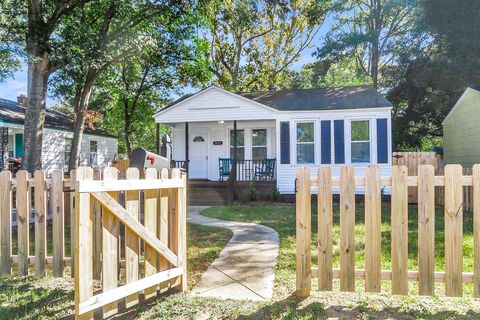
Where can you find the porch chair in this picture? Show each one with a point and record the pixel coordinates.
(266, 171)
(224, 167)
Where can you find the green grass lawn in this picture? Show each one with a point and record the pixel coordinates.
(205, 244)
(52, 298)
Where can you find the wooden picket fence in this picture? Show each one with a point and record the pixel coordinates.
(399, 275)
(147, 254)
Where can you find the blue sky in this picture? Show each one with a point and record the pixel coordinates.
(17, 85)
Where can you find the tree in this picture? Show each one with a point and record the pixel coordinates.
(11, 31)
(42, 19)
(136, 88)
(253, 42)
(106, 33)
(346, 72)
(376, 32)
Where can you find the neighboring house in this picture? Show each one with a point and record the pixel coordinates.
(300, 127)
(461, 130)
(98, 148)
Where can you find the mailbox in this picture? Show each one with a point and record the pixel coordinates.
(142, 159)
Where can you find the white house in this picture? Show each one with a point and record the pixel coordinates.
(98, 148)
(298, 127)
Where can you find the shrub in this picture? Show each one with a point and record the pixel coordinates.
(253, 194)
(276, 194)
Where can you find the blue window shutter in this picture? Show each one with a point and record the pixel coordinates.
(339, 137)
(326, 146)
(382, 141)
(284, 142)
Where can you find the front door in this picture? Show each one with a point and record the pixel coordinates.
(198, 155)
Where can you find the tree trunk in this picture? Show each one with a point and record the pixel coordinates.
(79, 125)
(35, 111)
(126, 134)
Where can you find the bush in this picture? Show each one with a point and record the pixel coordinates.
(253, 194)
(276, 194)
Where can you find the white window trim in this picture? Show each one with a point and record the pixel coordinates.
(315, 142)
(371, 128)
(248, 140)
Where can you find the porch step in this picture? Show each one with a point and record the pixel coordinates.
(206, 193)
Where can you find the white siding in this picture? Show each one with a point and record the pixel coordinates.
(286, 172)
(53, 149)
(215, 104)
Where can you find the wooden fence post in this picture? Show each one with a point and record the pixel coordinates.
(58, 223)
(83, 245)
(476, 229)
(325, 226)
(23, 200)
(373, 234)
(150, 217)
(347, 228)
(73, 182)
(110, 237)
(182, 231)
(303, 232)
(399, 221)
(132, 242)
(426, 229)
(97, 233)
(164, 223)
(6, 222)
(40, 197)
(453, 230)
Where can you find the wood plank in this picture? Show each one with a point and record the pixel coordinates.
(426, 230)
(453, 230)
(303, 233)
(5, 222)
(148, 236)
(325, 225)
(163, 226)
(132, 242)
(150, 225)
(476, 229)
(347, 229)
(23, 199)
(58, 223)
(373, 235)
(399, 221)
(386, 275)
(40, 198)
(113, 295)
(73, 180)
(83, 246)
(128, 185)
(97, 233)
(182, 231)
(110, 238)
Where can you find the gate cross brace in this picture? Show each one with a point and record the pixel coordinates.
(130, 222)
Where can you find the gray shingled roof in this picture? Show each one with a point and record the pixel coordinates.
(321, 98)
(333, 98)
(12, 112)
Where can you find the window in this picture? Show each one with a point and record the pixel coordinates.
(259, 144)
(68, 147)
(93, 153)
(360, 141)
(240, 145)
(198, 139)
(305, 142)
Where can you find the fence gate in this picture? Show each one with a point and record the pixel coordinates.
(372, 183)
(163, 235)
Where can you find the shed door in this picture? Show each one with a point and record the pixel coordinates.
(198, 155)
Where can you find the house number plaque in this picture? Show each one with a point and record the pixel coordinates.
(217, 143)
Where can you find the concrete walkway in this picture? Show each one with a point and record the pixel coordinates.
(245, 268)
